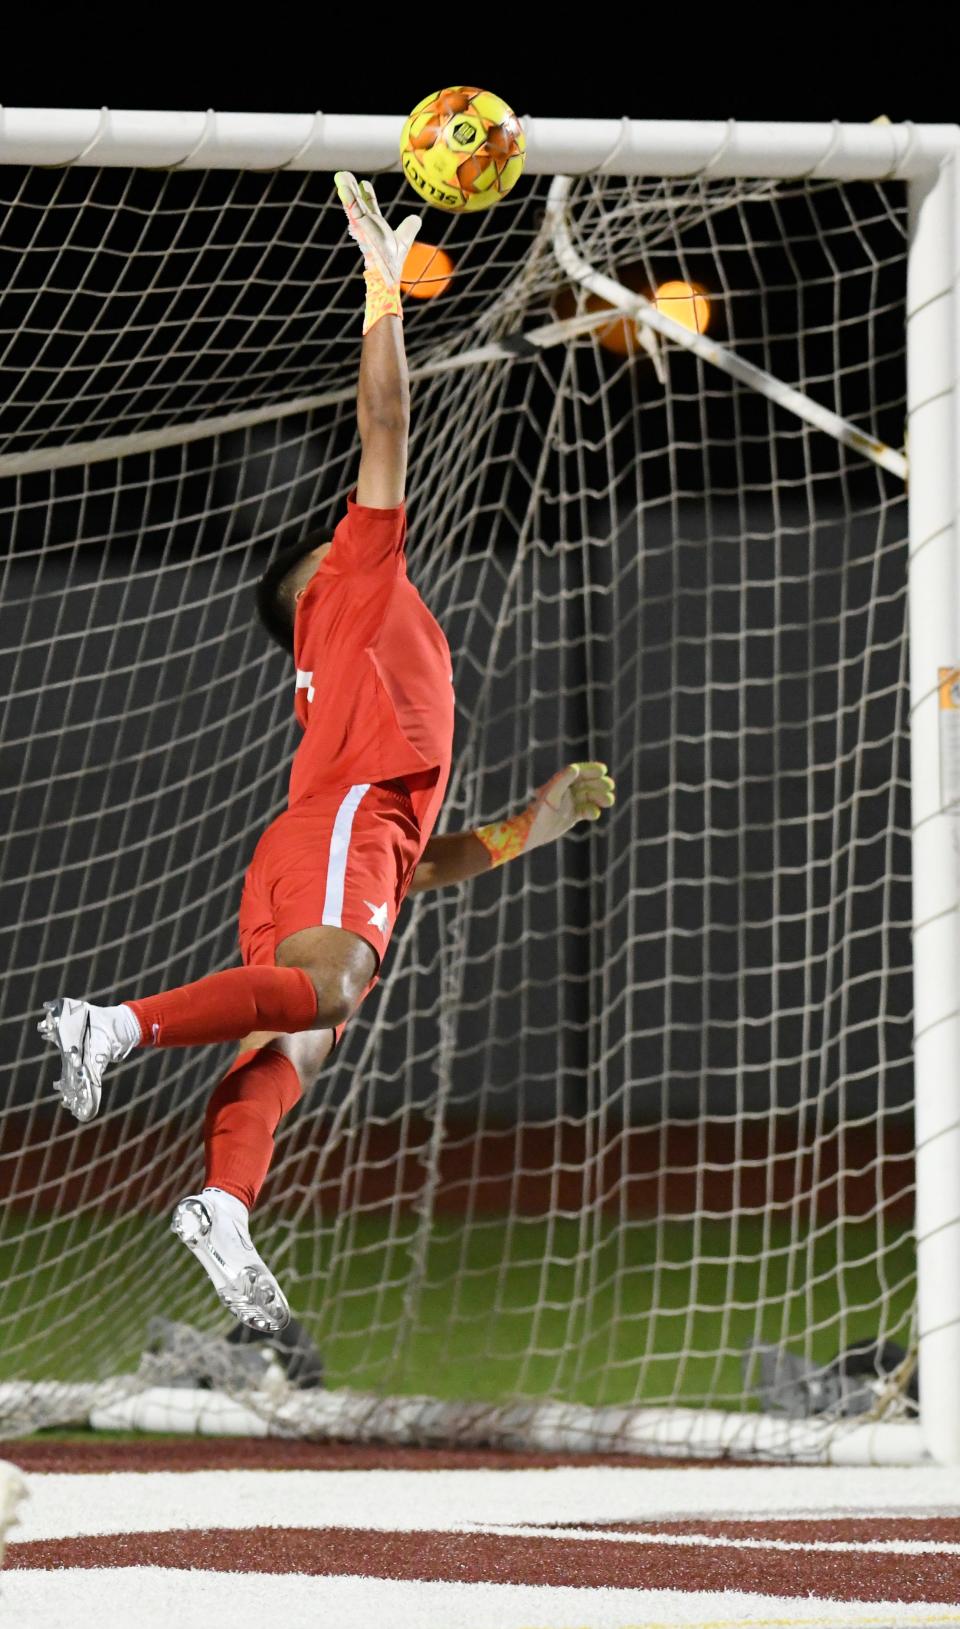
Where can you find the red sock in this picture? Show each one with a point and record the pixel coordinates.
(242, 1115)
(227, 1006)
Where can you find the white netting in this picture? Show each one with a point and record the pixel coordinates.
(618, 1113)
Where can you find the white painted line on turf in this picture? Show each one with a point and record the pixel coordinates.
(64, 1506)
(156, 1597)
(713, 1541)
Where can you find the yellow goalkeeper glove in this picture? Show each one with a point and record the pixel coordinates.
(384, 250)
(578, 792)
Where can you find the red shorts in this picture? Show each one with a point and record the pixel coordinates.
(343, 858)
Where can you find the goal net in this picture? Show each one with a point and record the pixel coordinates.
(623, 1142)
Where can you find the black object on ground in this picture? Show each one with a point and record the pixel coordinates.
(871, 1376)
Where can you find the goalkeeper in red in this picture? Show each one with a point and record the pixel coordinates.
(374, 698)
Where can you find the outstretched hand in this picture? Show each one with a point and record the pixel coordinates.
(382, 247)
(577, 792)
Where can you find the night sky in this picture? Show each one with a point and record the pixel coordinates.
(744, 62)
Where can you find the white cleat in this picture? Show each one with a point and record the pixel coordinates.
(209, 1226)
(87, 1041)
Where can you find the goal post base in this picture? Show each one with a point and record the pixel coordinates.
(540, 1428)
(352, 1416)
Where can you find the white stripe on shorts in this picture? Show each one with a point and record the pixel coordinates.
(339, 850)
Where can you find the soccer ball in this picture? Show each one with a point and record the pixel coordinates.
(462, 148)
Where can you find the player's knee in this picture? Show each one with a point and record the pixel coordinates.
(338, 991)
(339, 964)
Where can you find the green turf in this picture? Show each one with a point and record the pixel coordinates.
(83, 1436)
(583, 1310)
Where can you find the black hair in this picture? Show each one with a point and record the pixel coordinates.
(277, 609)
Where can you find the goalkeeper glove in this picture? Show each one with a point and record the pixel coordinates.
(384, 250)
(578, 792)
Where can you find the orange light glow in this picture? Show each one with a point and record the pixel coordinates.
(427, 271)
(686, 303)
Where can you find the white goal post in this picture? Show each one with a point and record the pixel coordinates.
(926, 159)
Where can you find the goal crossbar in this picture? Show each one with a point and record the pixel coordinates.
(718, 149)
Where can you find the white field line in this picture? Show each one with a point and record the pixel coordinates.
(157, 1597)
(711, 1541)
(63, 1505)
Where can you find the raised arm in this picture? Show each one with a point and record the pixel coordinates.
(383, 393)
(578, 792)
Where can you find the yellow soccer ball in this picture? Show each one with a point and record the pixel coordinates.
(462, 148)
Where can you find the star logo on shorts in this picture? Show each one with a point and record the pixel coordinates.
(379, 918)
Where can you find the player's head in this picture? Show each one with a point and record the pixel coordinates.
(283, 582)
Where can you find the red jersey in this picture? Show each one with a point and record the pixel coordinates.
(374, 681)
